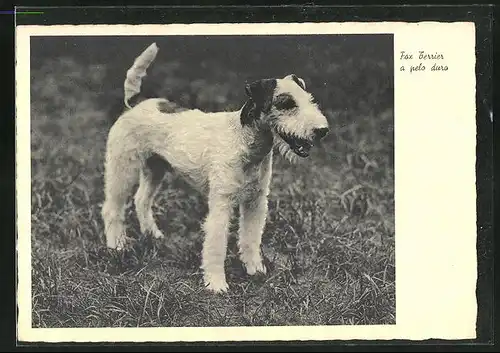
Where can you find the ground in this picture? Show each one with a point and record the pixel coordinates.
(328, 243)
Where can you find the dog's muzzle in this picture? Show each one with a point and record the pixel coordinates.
(302, 146)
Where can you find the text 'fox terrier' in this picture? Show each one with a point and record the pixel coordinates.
(227, 155)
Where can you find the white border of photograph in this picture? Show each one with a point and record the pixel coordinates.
(435, 190)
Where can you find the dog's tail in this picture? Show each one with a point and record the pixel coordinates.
(135, 74)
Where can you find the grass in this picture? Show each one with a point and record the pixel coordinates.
(328, 242)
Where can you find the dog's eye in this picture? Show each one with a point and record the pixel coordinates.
(285, 102)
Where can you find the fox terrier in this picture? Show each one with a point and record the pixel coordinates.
(227, 156)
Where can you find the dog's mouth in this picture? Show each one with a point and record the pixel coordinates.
(299, 146)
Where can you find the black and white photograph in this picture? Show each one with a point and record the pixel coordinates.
(212, 180)
(245, 179)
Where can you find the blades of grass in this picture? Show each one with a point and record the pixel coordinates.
(145, 303)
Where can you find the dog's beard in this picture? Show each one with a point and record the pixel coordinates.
(284, 150)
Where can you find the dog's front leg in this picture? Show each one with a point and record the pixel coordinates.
(253, 214)
(215, 244)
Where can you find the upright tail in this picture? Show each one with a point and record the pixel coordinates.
(133, 80)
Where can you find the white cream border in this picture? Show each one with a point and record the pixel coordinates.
(435, 140)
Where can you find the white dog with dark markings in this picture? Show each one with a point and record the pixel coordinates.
(226, 155)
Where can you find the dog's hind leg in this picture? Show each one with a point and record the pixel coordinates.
(151, 177)
(121, 175)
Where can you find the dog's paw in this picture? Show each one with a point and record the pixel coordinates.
(217, 288)
(254, 267)
(151, 230)
(216, 284)
(118, 243)
(157, 234)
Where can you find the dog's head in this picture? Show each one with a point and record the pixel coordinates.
(289, 110)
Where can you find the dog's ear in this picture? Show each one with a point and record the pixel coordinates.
(261, 91)
(260, 94)
(248, 113)
(297, 80)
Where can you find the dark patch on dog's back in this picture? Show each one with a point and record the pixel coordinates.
(164, 106)
(168, 107)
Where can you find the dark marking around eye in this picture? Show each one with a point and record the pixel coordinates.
(285, 101)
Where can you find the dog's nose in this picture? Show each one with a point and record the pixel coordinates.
(320, 133)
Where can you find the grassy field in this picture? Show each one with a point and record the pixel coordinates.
(328, 242)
